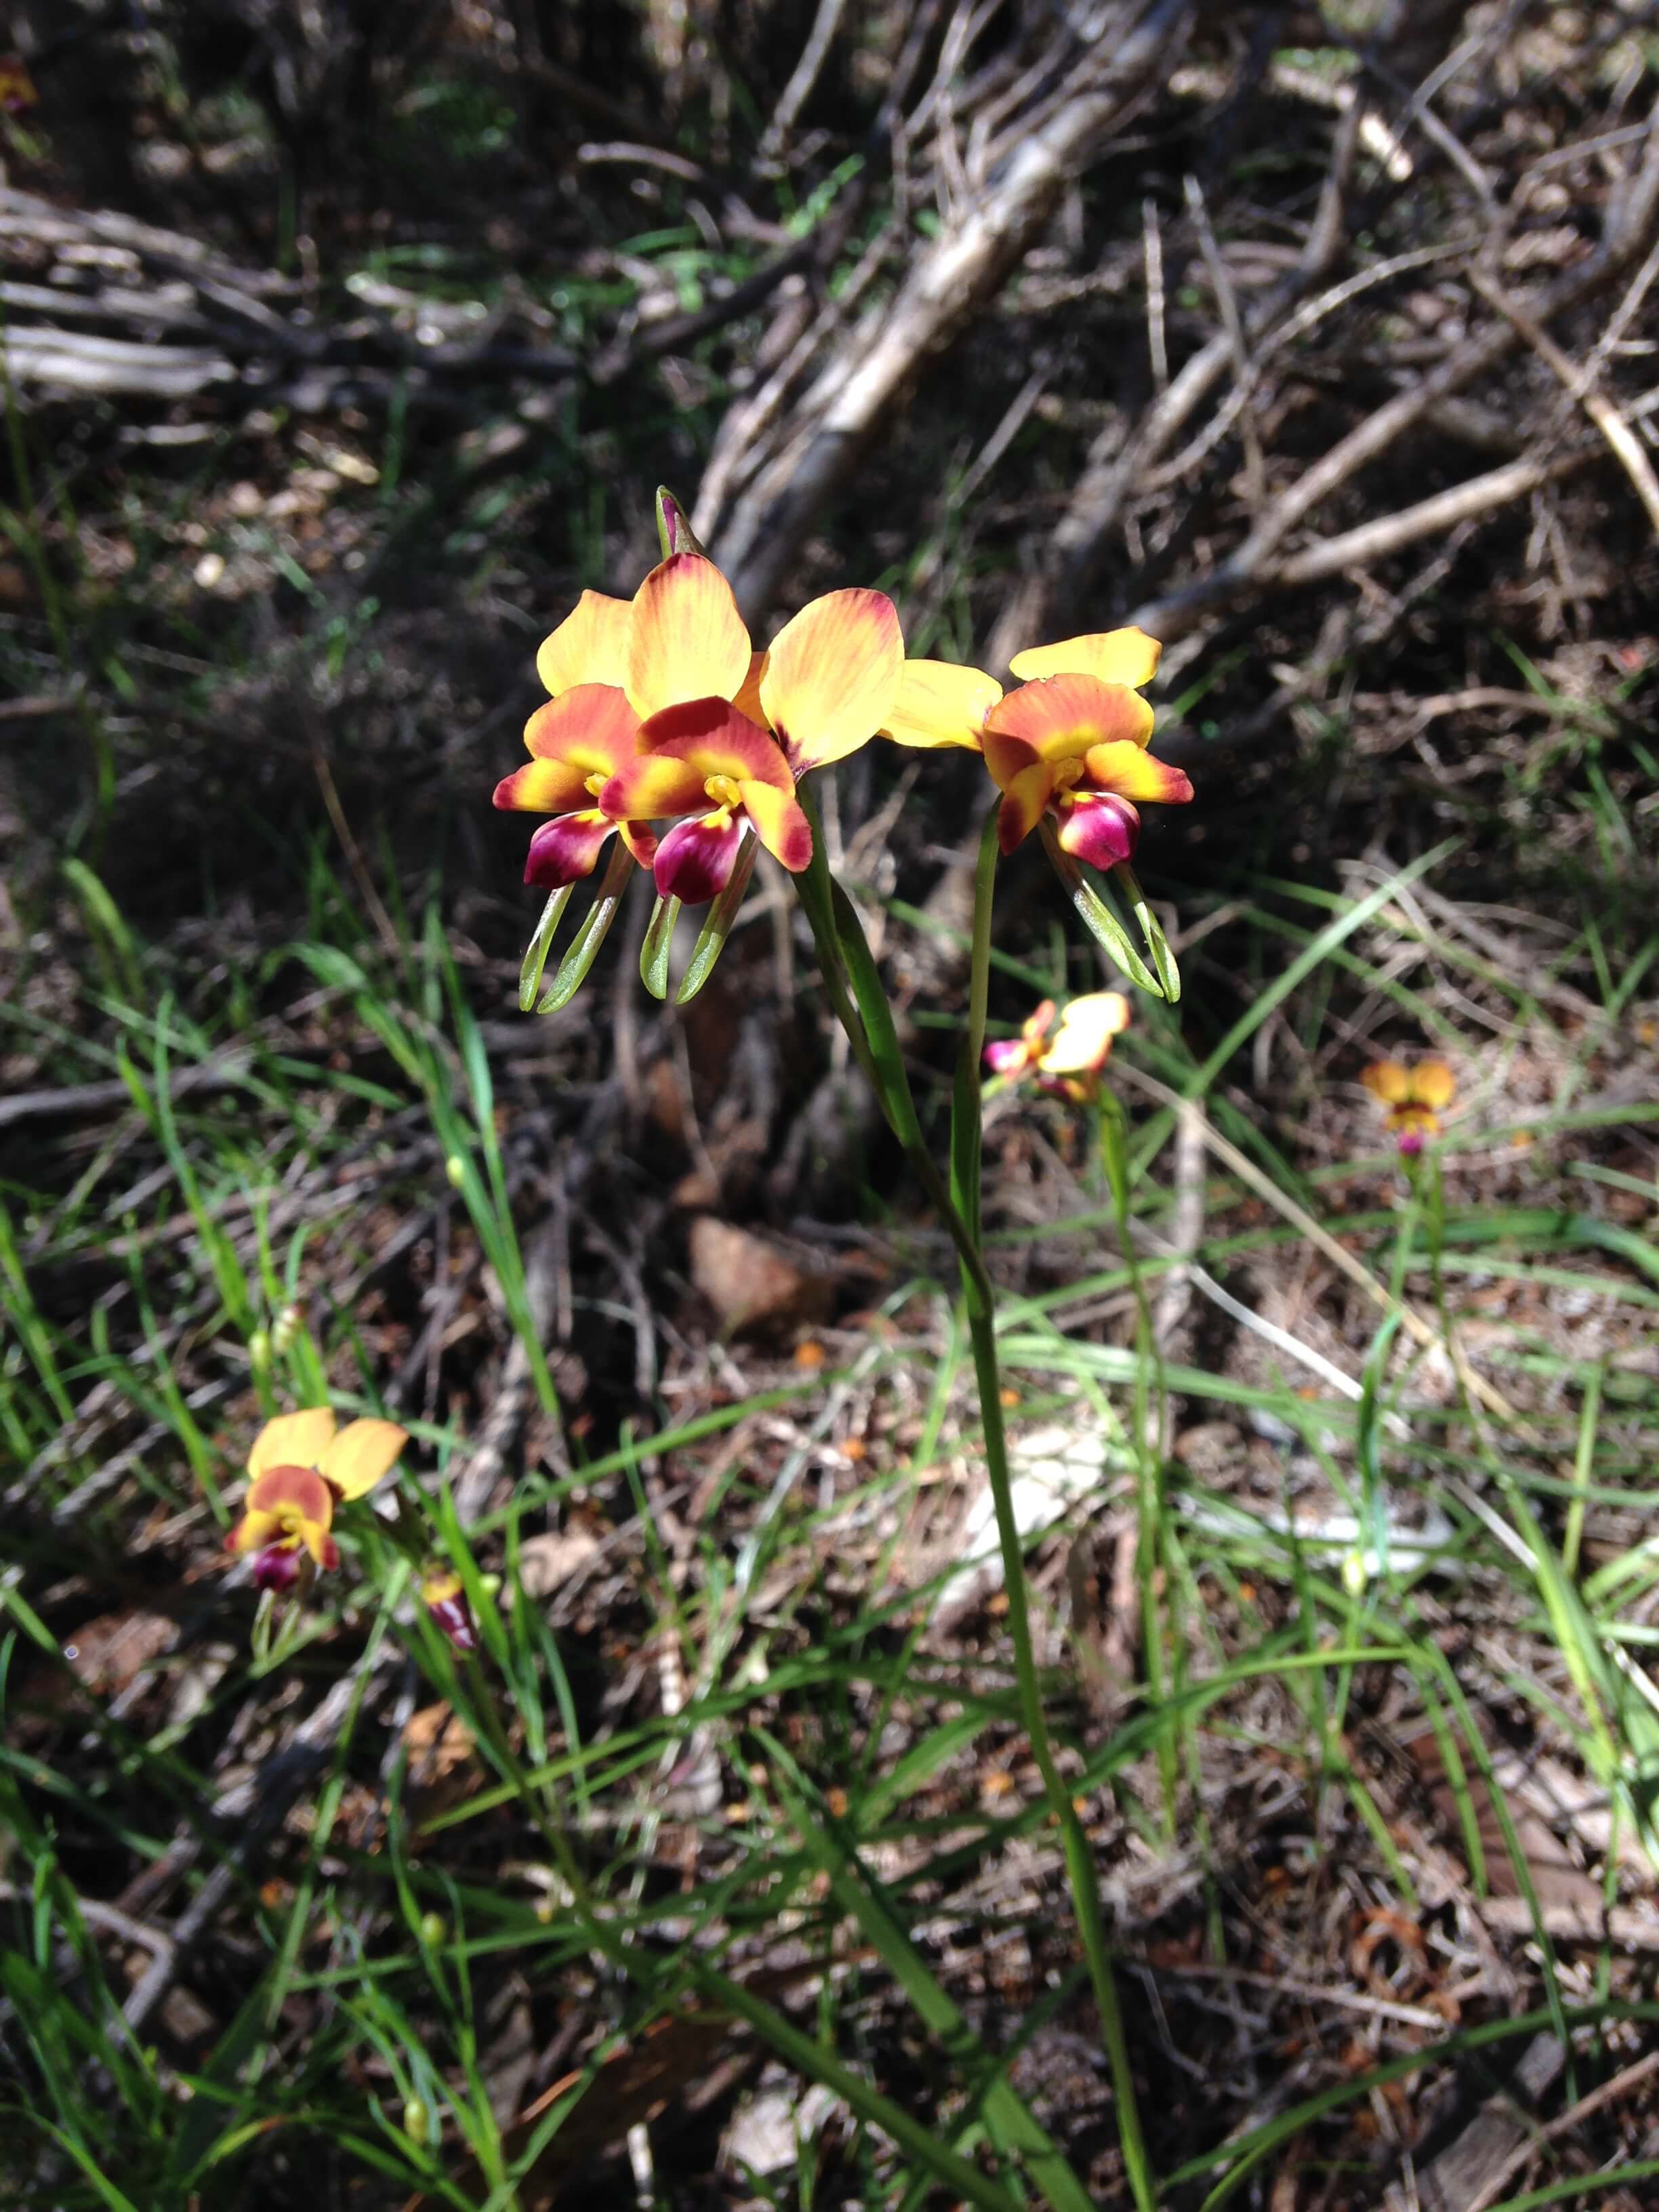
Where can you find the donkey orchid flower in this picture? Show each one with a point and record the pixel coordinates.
(1070, 741)
(444, 1595)
(1068, 1061)
(1415, 1098)
(609, 666)
(724, 764)
(303, 1466)
(720, 773)
(632, 681)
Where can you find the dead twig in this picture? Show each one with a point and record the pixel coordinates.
(1578, 384)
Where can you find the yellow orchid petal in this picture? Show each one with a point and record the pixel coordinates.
(590, 646)
(748, 700)
(1083, 1041)
(1432, 1084)
(1117, 656)
(363, 1454)
(1132, 773)
(939, 703)
(686, 639)
(1387, 1080)
(543, 786)
(832, 673)
(253, 1532)
(780, 823)
(292, 1440)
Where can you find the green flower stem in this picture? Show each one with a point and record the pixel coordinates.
(979, 1296)
(850, 968)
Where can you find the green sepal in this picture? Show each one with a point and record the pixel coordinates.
(711, 941)
(1102, 924)
(535, 959)
(673, 528)
(658, 940)
(572, 971)
(1152, 930)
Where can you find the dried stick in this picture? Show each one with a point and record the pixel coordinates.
(804, 76)
(1610, 2092)
(1629, 223)
(1578, 384)
(844, 411)
(1047, 604)
(1445, 510)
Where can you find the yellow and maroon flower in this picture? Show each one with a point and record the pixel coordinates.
(1068, 1062)
(1415, 1098)
(577, 742)
(1070, 742)
(17, 92)
(444, 1595)
(303, 1468)
(621, 671)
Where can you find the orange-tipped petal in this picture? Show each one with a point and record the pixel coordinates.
(1387, 1080)
(1115, 656)
(640, 841)
(590, 646)
(1083, 1041)
(591, 727)
(1432, 1084)
(939, 703)
(832, 673)
(779, 824)
(542, 787)
(292, 1440)
(1060, 717)
(363, 1454)
(1022, 801)
(1125, 769)
(686, 638)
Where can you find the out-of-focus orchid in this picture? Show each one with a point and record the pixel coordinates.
(1066, 1060)
(302, 1465)
(444, 1595)
(17, 92)
(1415, 1097)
